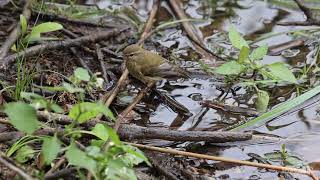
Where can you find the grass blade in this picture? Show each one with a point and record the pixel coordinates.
(282, 108)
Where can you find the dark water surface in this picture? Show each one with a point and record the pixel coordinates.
(300, 129)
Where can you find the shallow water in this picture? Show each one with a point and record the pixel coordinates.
(299, 128)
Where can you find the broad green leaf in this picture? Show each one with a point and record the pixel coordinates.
(82, 74)
(100, 131)
(24, 24)
(281, 71)
(262, 101)
(135, 156)
(36, 31)
(113, 136)
(244, 54)
(230, 68)
(87, 110)
(277, 111)
(259, 53)
(113, 170)
(56, 108)
(22, 116)
(79, 158)
(50, 148)
(236, 39)
(24, 154)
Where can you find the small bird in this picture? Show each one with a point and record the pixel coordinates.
(147, 66)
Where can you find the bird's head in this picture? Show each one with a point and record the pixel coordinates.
(131, 50)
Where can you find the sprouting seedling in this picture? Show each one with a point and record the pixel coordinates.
(249, 61)
(35, 33)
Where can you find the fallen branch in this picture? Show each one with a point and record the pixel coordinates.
(229, 160)
(136, 132)
(60, 44)
(10, 164)
(16, 32)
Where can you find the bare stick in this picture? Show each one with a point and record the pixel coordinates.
(100, 58)
(146, 33)
(56, 165)
(136, 132)
(16, 32)
(60, 44)
(8, 163)
(137, 99)
(229, 160)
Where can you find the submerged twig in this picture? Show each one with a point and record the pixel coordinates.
(190, 30)
(60, 44)
(229, 160)
(16, 32)
(311, 21)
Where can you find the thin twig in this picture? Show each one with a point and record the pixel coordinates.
(137, 99)
(10, 164)
(80, 60)
(16, 32)
(146, 33)
(100, 58)
(60, 44)
(311, 21)
(229, 160)
(56, 165)
(304, 9)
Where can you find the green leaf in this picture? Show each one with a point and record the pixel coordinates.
(79, 158)
(244, 54)
(56, 108)
(113, 170)
(50, 148)
(262, 101)
(281, 71)
(113, 136)
(100, 131)
(22, 116)
(82, 74)
(135, 156)
(71, 89)
(236, 39)
(43, 28)
(24, 24)
(259, 53)
(87, 110)
(24, 154)
(230, 68)
(277, 111)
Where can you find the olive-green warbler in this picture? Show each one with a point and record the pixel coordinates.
(147, 66)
